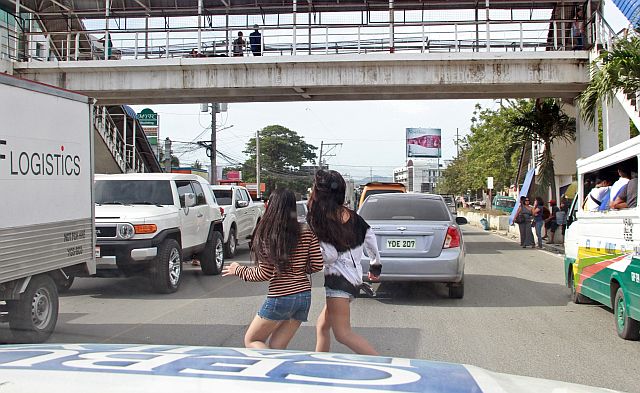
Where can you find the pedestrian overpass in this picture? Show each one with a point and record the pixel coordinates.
(160, 51)
(319, 77)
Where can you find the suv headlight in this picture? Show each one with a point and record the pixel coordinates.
(125, 231)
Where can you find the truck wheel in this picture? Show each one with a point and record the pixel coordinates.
(456, 290)
(33, 317)
(166, 270)
(231, 244)
(212, 258)
(627, 328)
(64, 284)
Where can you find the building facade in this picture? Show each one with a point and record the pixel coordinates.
(420, 175)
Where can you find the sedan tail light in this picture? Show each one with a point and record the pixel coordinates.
(452, 240)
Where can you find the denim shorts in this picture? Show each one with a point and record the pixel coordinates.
(284, 308)
(338, 293)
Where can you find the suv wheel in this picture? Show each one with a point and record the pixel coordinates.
(166, 270)
(212, 258)
(231, 246)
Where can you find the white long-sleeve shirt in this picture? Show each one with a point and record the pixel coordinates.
(347, 264)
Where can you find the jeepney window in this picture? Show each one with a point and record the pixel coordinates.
(611, 187)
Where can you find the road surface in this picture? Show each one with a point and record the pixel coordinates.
(515, 317)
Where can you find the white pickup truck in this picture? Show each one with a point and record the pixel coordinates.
(241, 216)
(152, 222)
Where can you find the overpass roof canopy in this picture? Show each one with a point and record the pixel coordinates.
(89, 9)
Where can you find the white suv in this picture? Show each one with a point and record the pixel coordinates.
(152, 222)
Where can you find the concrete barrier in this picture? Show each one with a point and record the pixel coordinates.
(500, 224)
(496, 223)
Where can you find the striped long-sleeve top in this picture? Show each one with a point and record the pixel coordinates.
(306, 258)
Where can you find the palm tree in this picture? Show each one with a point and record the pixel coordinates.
(543, 123)
(612, 71)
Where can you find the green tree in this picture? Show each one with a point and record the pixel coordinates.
(197, 165)
(485, 152)
(544, 123)
(282, 154)
(612, 71)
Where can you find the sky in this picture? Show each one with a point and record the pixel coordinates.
(371, 132)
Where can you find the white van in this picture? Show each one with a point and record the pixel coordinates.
(602, 248)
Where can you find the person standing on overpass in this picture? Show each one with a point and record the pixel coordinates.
(238, 45)
(255, 40)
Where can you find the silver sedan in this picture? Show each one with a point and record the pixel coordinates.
(418, 239)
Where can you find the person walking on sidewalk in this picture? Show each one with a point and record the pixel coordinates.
(523, 218)
(538, 211)
(550, 223)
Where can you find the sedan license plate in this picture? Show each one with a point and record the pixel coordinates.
(406, 244)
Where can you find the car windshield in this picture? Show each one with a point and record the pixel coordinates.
(224, 197)
(418, 209)
(505, 203)
(131, 192)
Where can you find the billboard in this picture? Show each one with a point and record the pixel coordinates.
(424, 142)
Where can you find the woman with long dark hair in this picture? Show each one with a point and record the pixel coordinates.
(538, 219)
(524, 216)
(284, 253)
(344, 236)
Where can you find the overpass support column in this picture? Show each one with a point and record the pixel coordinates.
(586, 134)
(107, 37)
(199, 26)
(392, 44)
(295, 29)
(615, 124)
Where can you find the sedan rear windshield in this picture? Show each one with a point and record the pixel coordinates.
(224, 197)
(132, 192)
(419, 209)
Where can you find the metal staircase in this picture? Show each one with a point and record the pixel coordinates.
(604, 39)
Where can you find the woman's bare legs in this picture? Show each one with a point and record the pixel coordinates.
(323, 332)
(283, 334)
(337, 315)
(258, 332)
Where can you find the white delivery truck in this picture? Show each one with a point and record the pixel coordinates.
(46, 202)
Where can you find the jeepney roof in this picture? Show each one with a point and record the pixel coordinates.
(609, 157)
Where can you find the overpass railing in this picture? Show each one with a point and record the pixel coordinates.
(295, 40)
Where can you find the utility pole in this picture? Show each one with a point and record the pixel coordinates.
(258, 164)
(320, 156)
(457, 143)
(167, 155)
(214, 167)
(327, 152)
(370, 174)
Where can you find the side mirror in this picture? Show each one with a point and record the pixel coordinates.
(189, 199)
(461, 221)
(241, 204)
